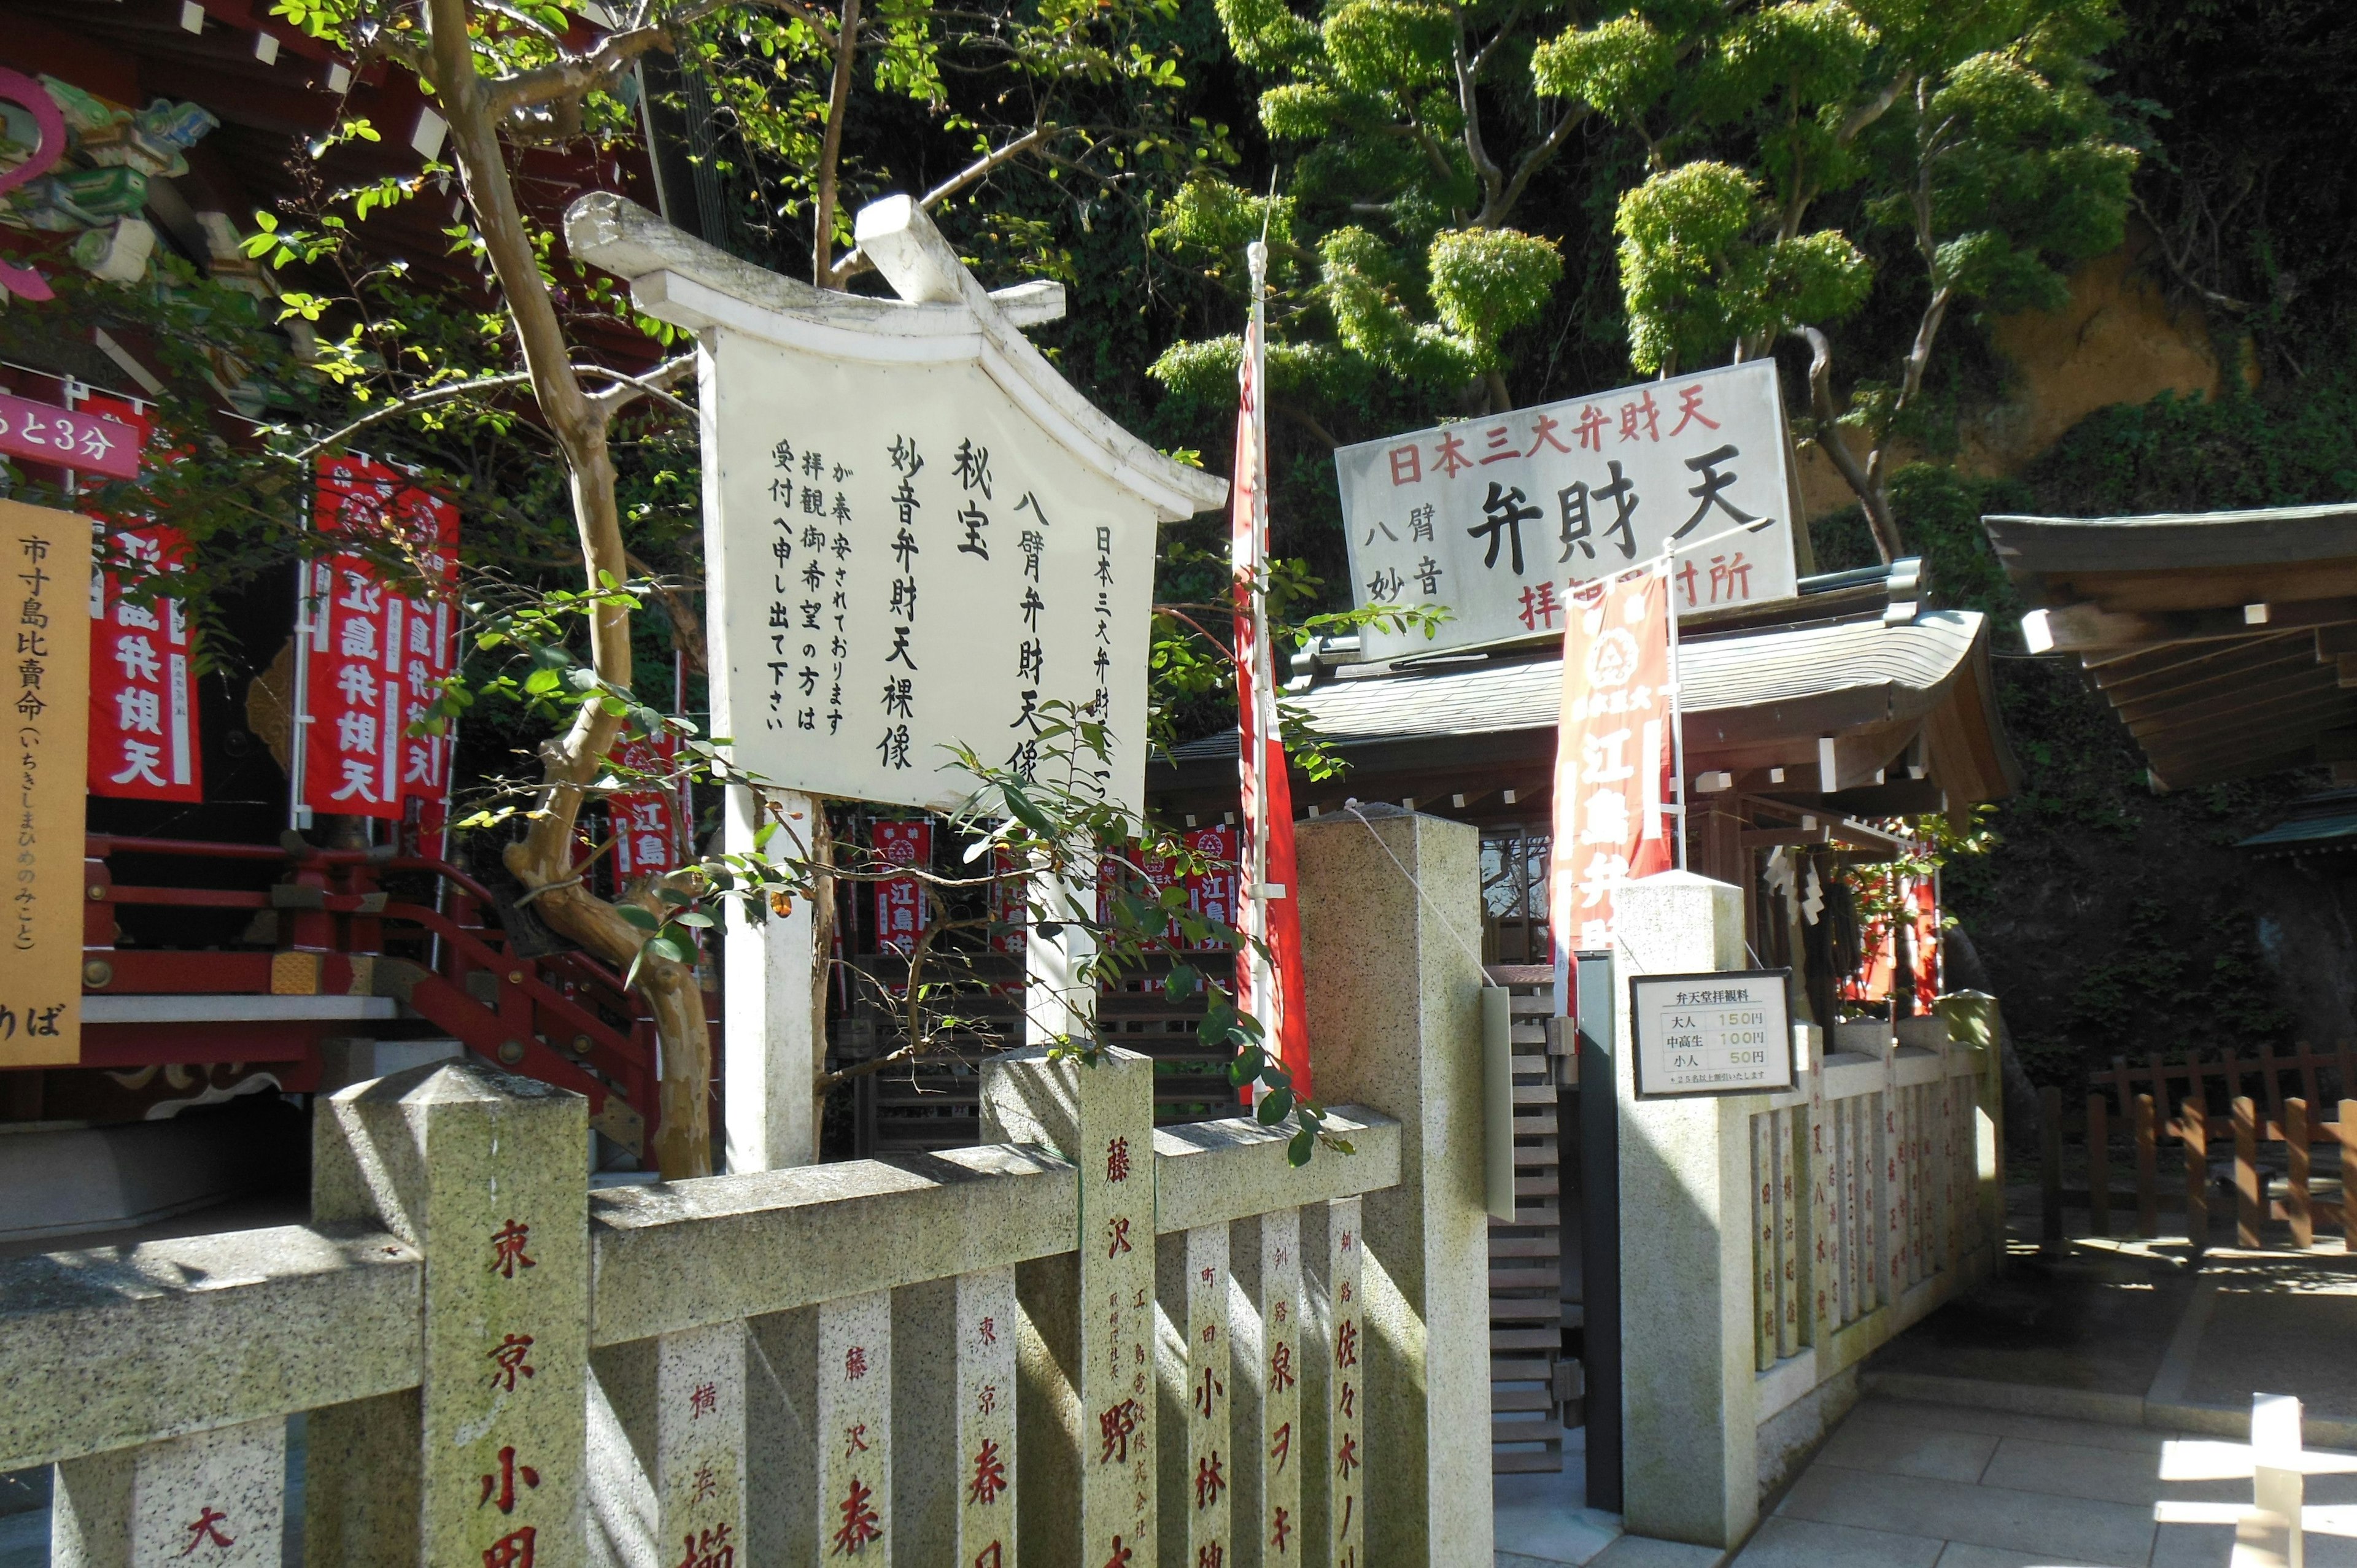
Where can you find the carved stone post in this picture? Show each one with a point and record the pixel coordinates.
(488, 1176)
(1086, 1355)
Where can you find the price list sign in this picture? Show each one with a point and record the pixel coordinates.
(1713, 1034)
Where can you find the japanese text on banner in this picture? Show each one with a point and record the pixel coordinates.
(1613, 755)
(144, 739)
(375, 655)
(48, 565)
(646, 818)
(901, 910)
(1498, 519)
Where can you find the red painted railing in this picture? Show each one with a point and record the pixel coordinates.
(565, 1019)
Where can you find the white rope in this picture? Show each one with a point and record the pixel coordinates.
(1472, 952)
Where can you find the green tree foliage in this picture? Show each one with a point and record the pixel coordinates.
(1412, 138)
(1967, 134)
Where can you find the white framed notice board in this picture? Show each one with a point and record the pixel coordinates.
(1729, 1033)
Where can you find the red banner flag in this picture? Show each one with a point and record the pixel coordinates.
(373, 656)
(901, 908)
(144, 738)
(1212, 895)
(1269, 985)
(1614, 747)
(646, 819)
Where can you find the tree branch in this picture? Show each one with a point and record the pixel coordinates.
(988, 163)
(572, 76)
(686, 625)
(1468, 104)
(846, 52)
(628, 389)
(2180, 265)
(1496, 212)
(1829, 441)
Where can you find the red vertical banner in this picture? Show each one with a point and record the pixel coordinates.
(1212, 893)
(1613, 755)
(1929, 954)
(373, 656)
(646, 818)
(1269, 987)
(902, 911)
(144, 739)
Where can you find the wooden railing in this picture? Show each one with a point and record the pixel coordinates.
(2235, 1144)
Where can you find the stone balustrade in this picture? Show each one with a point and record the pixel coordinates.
(1089, 1344)
(1769, 1242)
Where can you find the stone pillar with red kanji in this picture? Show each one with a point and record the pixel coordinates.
(953, 1403)
(1266, 1511)
(1333, 1387)
(1086, 1362)
(215, 1498)
(1197, 1380)
(487, 1175)
(667, 1425)
(853, 1430)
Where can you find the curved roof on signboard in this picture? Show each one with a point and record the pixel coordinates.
(1857, 672)
(942, 317)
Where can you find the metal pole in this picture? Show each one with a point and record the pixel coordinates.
(1600, 1226)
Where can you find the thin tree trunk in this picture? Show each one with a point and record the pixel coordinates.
(1865, 485)
(847, 54)
(569, 762)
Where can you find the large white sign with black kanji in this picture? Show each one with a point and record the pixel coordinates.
(1498, 518)
(919, 537)
(908, 566)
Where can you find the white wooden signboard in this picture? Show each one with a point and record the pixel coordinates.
(1497, 517)
(916, 534)
(1713, 1034)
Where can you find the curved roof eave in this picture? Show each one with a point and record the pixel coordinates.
(942, 317)
(1791, 680)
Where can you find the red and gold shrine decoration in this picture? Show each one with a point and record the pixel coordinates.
(1613, 752)
(45, 555)
(901, 913)
(646, 819)
(1883, 961)
(373, 656)
(143, 741)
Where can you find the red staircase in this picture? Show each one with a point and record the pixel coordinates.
(565, 1019)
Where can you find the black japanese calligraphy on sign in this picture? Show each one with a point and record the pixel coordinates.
(47, 557)
(1447, 518)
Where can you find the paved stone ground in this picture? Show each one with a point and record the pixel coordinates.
(1543, 1521)
(1909, 1485)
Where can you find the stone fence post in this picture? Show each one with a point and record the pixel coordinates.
(487, 1175)
(1690, 1449)
(1085, 1423)
(1394, 1022)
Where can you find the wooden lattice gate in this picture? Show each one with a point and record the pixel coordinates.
(1535, 1382)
